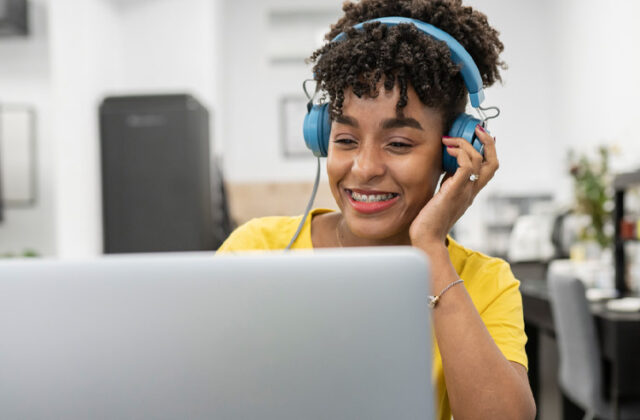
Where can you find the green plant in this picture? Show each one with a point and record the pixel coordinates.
(593, 194)
(28, 253)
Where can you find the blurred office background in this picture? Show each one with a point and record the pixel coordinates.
(571, 85)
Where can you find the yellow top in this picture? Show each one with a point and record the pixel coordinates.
(489, 281)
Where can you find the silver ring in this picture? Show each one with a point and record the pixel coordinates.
(473, 178)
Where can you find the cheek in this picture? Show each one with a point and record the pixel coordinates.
(420, 177)
(338, 164)
(337, 168)
(435, 169)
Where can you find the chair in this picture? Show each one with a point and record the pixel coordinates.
(580, 359)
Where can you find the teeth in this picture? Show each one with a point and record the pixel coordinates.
(371, 198)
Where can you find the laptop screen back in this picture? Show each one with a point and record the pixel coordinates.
(318, 335)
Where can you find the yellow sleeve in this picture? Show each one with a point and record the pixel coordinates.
(503, 316)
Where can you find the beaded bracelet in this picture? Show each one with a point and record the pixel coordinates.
(433, 300)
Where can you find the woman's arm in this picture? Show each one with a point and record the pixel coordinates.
(481, 383)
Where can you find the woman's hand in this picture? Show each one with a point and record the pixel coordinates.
(457, 191)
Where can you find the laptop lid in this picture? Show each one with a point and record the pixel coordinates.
(315, 335)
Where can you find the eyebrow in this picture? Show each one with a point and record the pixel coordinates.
(399, 123)
(385, 124)
(346, 120)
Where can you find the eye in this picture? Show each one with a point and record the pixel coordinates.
(345, 142)
(400, 146)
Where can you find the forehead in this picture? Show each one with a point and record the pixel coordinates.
(384, 105)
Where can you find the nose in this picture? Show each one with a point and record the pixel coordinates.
(369, 162)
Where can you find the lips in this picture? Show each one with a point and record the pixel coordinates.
(369, 202)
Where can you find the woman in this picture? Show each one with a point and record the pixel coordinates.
(394, 92)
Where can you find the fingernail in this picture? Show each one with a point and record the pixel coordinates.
(447, 137)
(481, 128)
(451, 147)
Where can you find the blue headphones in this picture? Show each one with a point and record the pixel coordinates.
(317, 124)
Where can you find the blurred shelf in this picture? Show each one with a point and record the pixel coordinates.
(503, 211)
(626, 180)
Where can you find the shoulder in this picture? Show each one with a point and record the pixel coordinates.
(465, 259)
(270, 233)
(487, 279)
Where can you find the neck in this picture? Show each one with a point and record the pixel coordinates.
(346, 238)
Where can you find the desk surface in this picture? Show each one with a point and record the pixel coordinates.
(538, 289)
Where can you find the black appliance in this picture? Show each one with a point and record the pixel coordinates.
(13, 17)
(156, 185)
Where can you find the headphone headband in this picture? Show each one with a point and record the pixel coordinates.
(469, 70)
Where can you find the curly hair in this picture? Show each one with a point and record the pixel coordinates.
(404, 55)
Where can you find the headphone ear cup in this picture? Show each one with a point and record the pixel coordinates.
(316, 129)
(464, 126)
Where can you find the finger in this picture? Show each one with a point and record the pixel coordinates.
(490, 153)
(465, 167)
(490, 164)
(474, 156)
(484, 173)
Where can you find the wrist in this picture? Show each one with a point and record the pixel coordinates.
(441, 267)
(434, 299)
(432, 247)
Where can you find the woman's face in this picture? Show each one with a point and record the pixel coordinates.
(383, 169)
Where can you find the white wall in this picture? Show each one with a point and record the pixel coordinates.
(572, 84)
(598, 64)
(25, 79)
(529, 150)
(84, 61)
(525, 126)
(173, 46)
(253, 89)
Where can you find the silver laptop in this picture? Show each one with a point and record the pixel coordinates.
(305, 335)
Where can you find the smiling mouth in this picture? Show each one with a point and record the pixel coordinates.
(372, 197)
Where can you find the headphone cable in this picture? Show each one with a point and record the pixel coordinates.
(309, 205)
